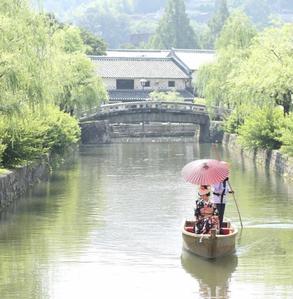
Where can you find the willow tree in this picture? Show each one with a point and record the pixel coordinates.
(232, 48)
(36, 58)
(80, 86)
(174, 29)
(24, 57)
(217, 22)
(256, 81)
(40, 66)
(266, 76)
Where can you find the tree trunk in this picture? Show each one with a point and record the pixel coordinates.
(287, 102)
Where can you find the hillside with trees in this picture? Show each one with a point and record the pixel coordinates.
(130, 23)
(174, 30)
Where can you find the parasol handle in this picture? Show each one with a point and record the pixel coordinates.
(236, 204)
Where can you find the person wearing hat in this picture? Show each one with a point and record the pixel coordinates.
(205, 212)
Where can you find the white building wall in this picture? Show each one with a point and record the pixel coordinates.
(180, 84)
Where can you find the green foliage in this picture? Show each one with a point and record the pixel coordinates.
(237, 33)
(2, 146)
(199, 101)
(2, 149)
(266, 75)
(61, 132)
(213, 80)
(23, 141)
(210, 83)
(131, 14)
(174, 29)
(38, 133)
(262, 129)
(286, 137)
(107, 20)
(53, 22)
(69, 40)
(217, 22)
(81, 88)
(36, 57)
(253, 71)
(74, 75)
(94, 44)
(168, 96)
(233, 122)
(24, 56)
(42, 63)
(259, 11)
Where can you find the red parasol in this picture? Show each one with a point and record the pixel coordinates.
(205, 171)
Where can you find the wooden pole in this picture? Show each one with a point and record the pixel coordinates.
(236, 204)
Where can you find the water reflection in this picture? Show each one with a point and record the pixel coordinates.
(112, 218)
(213, 276)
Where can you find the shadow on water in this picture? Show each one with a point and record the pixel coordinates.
(213, 276)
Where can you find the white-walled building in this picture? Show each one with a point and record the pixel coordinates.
(130, 75)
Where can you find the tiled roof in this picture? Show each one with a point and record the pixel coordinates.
(141, 95)
(137, 53)
(138, 67)
(193, 59)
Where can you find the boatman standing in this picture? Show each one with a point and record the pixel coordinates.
(219, 194)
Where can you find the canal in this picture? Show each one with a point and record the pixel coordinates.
(107, 225)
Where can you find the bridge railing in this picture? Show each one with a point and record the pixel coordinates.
(178, 106)
(149, 105)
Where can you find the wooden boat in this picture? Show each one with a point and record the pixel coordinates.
(210, 245)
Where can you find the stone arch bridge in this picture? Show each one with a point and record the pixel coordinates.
(149, 111)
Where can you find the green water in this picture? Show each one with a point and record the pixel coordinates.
(107, 225)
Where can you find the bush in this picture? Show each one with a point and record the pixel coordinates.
(199, 101)
(63, 131)
(36, 134)
(287, 136)
(262, 129)
(232, 123)
(168, 96)
(23, 140)
(2, 146)
(2, 149)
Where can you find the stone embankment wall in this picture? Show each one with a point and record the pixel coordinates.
(273, 160)
(97, 132)
(216, 132)
(153, 130)
(15, 183)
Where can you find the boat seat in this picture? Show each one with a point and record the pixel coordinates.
(226, 231)
(224, 224)
(189, 229)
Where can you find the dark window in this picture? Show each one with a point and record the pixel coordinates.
(124, 84)
(171, 83)
(147, 84)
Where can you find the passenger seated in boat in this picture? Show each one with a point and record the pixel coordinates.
(205, 212)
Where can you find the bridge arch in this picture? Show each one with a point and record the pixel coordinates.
(149, 111)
